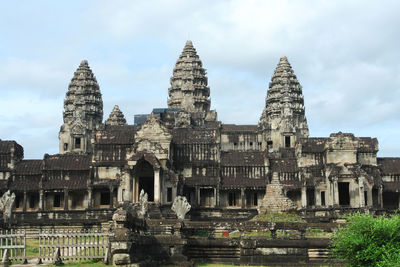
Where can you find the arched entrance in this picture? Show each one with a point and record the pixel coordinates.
(144, 174)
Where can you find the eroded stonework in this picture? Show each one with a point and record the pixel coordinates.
(183, 150)
(274, 199)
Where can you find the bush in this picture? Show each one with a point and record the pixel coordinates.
(368, 241)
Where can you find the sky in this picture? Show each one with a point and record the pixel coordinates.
(345, 54)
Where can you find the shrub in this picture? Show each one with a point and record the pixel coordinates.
(368, 241)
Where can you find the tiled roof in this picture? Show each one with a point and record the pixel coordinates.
(194, 136)
(283, 165)
(29, 167)
(238, 128)
(76, 180)
(116, 135)
(243, 183)
(389, 165)
(28, 183)
(242, 158)
(70, 162)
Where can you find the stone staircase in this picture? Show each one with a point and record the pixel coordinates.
(318, 254)
(214, 254)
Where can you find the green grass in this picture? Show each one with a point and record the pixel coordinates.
(317, 233)
(278, 217)
(201, 233)
(32, 248)
(89, 263)
(220, 265)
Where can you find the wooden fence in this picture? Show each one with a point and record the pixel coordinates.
(85, 244)
(12, 246)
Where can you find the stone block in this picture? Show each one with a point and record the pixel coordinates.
(121, 259)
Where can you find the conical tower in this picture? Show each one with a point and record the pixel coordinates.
(83, 111)
(116, 117)
(189, 89)
(283, 120)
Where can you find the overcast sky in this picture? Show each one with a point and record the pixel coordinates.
(346, 55)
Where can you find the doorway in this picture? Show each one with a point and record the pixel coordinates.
(344, 194)
(147, 184)
(145, 173)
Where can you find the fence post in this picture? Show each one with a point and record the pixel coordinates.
(57, 258)
(5, 261)
(25, 261)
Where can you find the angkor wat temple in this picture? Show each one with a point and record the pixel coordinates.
(185, 150)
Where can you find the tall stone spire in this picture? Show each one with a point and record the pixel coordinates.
(83, 111)
(116, 117)
(189, 88)
(283, 119)
(83, 98)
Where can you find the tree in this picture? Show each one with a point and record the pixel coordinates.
(368, 241)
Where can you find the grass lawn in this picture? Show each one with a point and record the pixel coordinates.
(83, 264)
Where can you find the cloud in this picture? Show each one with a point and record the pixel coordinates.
(345, 54)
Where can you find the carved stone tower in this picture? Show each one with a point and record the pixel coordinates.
(189, 89)
(283, 120)
(83, 111)
(116, 117)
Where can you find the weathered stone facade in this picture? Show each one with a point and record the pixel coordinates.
(184, 150)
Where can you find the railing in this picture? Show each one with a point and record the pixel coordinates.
(12, 246)
(60, 245)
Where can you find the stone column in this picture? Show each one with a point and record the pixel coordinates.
(369, 200)
(111, 196)
(90, 197)
(361, 192)
(317, 194)
(380, 196)
(242, 198)
(215, 197)
(41, 198)
(24, 202)
(65, 199)
(157, 186)
(303, 197)
(335, 192)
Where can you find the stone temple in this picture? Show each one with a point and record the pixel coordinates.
(184, 150)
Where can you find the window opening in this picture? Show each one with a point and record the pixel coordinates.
(232, 199)
(255, 200)
(365, 198)
(57, 201)
(77, 142)
(31, 202)
(287, 141)
(105, 198)
(169, 194)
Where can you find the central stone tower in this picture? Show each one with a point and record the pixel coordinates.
(283, 120)
(83, 111)
(189, 90)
